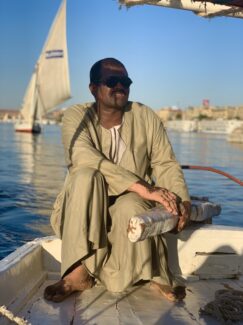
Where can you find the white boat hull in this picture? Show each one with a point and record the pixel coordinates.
(236, 136)
(218, 126)
(182, 125)
(27, 127)
(210, 252)
(205, 126)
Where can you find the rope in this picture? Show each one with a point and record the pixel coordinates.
(227, 306)
(10, 316)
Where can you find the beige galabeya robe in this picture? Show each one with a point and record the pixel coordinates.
(92, 211)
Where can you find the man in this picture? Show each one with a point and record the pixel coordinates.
(120, 164)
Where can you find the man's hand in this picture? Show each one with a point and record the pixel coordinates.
(184, 216)
(168, 199)
(157, 194)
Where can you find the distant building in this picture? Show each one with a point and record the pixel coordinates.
(202, 112)
(8, 115)
(55, 116)
(169, 113)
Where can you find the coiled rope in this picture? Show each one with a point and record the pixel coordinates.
(227, 306)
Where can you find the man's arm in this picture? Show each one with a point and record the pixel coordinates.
(160, 195)
(168, 199)
(167, 171)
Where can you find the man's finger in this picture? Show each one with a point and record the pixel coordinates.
(171, 206)
(183, 221)
(168, 197)
(167, 193)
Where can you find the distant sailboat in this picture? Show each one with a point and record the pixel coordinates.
(49, 84)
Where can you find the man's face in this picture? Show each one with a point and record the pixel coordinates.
(113, 90)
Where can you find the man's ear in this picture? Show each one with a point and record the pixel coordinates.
(93, 89)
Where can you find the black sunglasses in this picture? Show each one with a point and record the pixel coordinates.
(112, 81)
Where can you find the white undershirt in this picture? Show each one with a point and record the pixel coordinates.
(117, 144)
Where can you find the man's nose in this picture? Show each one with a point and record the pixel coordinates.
(119, 85)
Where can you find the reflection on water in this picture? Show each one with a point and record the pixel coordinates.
(31, 174)
(32, 171)
(42, 168)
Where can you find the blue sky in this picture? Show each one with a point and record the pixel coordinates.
(173, 57)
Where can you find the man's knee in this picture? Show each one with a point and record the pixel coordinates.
(128, 206)
(87, 174)
(86, 177)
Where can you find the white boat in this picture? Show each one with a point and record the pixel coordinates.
(218, 126)
(25, 126)
(182, 125)
(210, 258)
(236, 135)
(49, 84)
(206, 126)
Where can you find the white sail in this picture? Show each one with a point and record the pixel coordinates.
(49, 85)
(30, 100)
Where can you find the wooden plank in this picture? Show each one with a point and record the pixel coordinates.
(38, 311)
(151, 308)
(198, 294)
(136, 306)
(96, 306)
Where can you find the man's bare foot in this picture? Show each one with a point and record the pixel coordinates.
(180, 292)
(77, 280)
(172, 294)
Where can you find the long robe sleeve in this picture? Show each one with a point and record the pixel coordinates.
(166, 170)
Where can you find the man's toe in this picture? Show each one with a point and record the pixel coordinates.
(180, 292)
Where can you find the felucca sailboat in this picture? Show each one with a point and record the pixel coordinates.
(49, 84)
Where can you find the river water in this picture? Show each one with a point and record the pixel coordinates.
(32, 171)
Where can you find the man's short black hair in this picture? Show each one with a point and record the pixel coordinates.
(96, 69)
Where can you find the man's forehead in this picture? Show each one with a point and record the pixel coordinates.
(113, 70)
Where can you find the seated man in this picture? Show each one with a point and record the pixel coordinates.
(120, 164)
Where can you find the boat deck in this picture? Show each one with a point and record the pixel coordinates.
(138, 305)
(209, 252)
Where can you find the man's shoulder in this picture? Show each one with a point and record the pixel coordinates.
(143, 110)
(77, 109)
